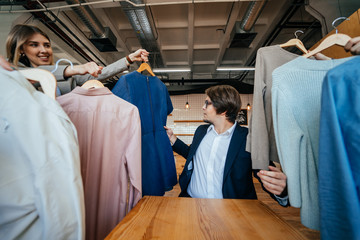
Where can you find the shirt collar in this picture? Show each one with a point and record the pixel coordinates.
(92, 91)
(226, 133)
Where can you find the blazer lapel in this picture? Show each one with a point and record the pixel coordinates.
(197, 140)
(234, 147)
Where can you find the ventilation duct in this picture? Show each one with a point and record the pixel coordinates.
(242, 36)
(242, 39)
(102, 38)
(252, 13)
(140, 22)
(105, 43)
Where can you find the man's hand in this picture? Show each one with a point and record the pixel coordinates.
(353, 45)
(171, 135)
(274, 180)
(320, 56)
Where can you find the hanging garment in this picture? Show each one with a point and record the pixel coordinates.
(110, 141)
(339, 151)
(151, 97)
(296, 95)
(41, 193)
(261, 139)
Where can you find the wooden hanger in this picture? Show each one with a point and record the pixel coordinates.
(92, 84)
(295, 42)
(334, 39)
(145, 66)
(45, 78)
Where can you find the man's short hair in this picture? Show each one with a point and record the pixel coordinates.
(226, 99)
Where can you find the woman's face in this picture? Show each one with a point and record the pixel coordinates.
(38, 50)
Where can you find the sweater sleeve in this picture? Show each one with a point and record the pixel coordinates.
(287, 135)
(107, 72)
(257, 142)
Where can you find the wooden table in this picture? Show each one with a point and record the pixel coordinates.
(190, 218)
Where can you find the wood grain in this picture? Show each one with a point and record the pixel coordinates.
(190, 218)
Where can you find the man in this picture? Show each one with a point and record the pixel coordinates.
(217, 165)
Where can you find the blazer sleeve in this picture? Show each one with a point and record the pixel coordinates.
(279, 199)
(181, 148)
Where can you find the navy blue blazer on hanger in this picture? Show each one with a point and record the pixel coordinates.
(237, 182)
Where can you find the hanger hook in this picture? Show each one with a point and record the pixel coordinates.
(295, 33)
(339, 18)
(62, 59)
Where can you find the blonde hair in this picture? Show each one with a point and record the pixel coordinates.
(17, 37)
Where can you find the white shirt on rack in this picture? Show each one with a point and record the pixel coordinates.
(209, 162)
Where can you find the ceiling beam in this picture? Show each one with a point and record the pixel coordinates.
(191, 34)
(81, 36)
(226, 37)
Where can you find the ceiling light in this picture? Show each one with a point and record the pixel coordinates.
(235, 69)
(248, 106)
(159, 70)
(187, 105)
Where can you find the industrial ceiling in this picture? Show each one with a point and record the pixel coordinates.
(196, 37)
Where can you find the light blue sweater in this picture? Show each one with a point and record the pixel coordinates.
(339, 153)
(296, 95)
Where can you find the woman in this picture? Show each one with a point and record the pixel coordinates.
(28, 46)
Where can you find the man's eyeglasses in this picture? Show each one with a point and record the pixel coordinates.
(207, 103)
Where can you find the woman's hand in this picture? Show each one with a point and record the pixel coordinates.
(139, 55)
(274, 180)
(88, 68)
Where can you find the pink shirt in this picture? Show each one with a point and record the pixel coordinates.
(109, 135)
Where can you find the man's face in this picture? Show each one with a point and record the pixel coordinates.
(209, 111)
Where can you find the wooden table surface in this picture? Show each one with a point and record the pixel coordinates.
(193, 218)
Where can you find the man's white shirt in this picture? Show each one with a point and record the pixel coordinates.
(209, 162)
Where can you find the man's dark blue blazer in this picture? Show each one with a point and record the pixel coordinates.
(237, 182)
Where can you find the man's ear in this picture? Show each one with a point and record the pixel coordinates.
(223, 114)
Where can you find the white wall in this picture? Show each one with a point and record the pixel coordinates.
(6, 21)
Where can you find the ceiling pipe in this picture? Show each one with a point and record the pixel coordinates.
(62, 7)
(140, 22)
(88, 18)
(251, 15)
